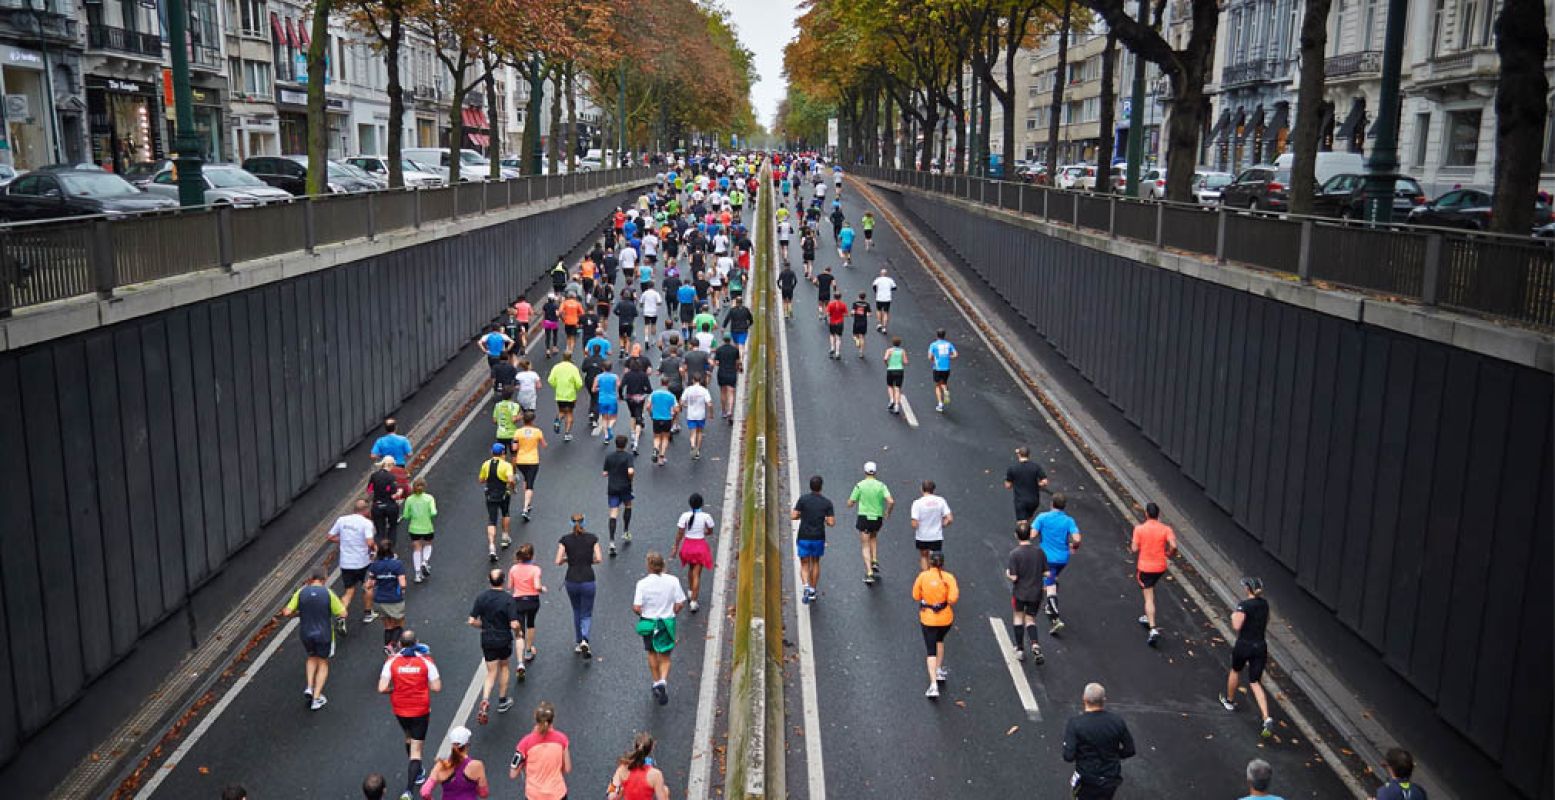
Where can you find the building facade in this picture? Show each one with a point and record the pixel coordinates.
(43, 114)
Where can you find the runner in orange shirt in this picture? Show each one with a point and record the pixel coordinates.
(936, 592)
(571, 312)
(1155, 543)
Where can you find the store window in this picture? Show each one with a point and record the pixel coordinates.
(1462, 141)
(1422, 138)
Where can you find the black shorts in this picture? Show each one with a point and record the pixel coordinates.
(649, 322)
(634, 408)
(1148, 580)
(571, 330)
(860, 326)
(933, 635)
(835, 328)
(318, 648)
(1026, 509)
(565, 405)
(352, 577)
(415, 727)
(530, 472)
(688, 312)
(624, 330)
(497, 509)
(882, 305)
(729, 379)
(663, 425)
(867, 525)
(496, 652)
(422, 537)
(869, 233)
(934, 546)
(527, 607)
(786, 294)
(1019, 606)
(942, 376)
(893, 377)
(1252, 655)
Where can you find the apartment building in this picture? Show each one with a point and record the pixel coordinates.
(43, 117)
(1080, 115)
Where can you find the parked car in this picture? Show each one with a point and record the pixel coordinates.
(55, 193)
(1152, 184)
(290, 173)
(140, 173)
(1468, 209)
(1546, 231)
(1077, 176)
(1261, 188)
(9, 173)
(415, 174)
(472, 165)
(357, 172)
(1207, 187)
(225, 184)
(1344, 196)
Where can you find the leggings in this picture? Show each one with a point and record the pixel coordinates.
(550, 336)
(582, 597)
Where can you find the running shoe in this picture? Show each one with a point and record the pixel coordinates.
(567, 437)
(1058, 625)
(577, 648)
(1268, 728)
(696, 454)
(940, 407)
(318, 703)
(612, 550)
(941, 674)
(695, 607)
(506, 542)
(1144, 620)
(524, 515)
(340, 625)
(933, 691)
(529, 655)
(585, 652)
(556, 425)
(492, 554)
(504, 704)
(1036, 654)
(626, 536)
(420, 576)
(520, 672)
(421, 777)
(307, 691)
(1154, 637)
(874, 567)
(661, 693)
(1226, 703)
(426, 569)
(1020, 655)
(869, 579)
(483, 716)
(371, 616)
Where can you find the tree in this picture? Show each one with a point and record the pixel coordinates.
(385, 20)
(1056, 110)
(318, 123)
(1309, 106)
(1522, 98)
(1109, 103)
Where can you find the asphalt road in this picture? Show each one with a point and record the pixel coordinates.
(880, 737)
(271, 743)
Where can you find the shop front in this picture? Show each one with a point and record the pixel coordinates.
(29, 128)
(123, 122)
(291, 107)
(208, 116)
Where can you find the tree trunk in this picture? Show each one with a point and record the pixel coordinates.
(572, 116)
(958, 112)
(494, 142)
(1521, 106)
(1183, 129)
(1007, 103)
(1108, 125)
(1304, 138)
(532, 116)
(553, 142)
(391, 54)
(887, 134)
(1056, 110)
(318, 122)
(456, 121)
(930, 122)
(984, 125)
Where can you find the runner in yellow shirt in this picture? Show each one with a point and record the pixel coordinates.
(527, 443)
(565, 380)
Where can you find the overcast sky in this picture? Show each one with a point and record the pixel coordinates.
(765, 26)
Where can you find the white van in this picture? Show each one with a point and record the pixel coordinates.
(473, 166)
(1328, 164)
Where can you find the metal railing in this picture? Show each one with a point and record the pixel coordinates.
(107, 37)
(1506, 277)
(41, 262)
(1353, 65)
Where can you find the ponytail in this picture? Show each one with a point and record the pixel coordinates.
(545, 717)
(642, 747)
(456, 756)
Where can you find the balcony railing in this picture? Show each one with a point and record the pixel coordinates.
(205, 58)
(1246, 72)
(1354, 65)
(106, 37)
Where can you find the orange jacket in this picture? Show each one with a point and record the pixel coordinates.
(936, 587)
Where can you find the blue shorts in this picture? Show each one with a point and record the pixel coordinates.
(739, 338)
(1053, 568)
(608, 409)
(811, 548)
(696, 424)
(617, 499)
(847, 248)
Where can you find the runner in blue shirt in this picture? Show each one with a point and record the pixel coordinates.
(845, 245)
(607, 387)
(598, 344)
(941, 352)
(392, 444)
(495, 344)
(1060, 536)
(662, 408)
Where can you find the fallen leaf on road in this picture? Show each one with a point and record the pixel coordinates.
(961, 704)
(1012, 730)
(205, 770)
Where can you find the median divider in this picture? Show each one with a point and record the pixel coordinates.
(756, 735)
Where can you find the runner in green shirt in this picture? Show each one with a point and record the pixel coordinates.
(874, 503)
(895, 359)
(704, 321)
(506, 415)
(868, 223)
(565, 380)
(419, 510)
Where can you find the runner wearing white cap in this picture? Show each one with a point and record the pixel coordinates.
(874, 503)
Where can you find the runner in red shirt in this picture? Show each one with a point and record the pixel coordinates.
(409, 679)
(836, 313)
(1155, 543)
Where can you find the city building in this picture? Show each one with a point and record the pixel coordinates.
(252, 33)
(1255, 82)
(1080, 120)
(44, 109)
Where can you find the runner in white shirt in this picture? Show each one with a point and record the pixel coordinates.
(356, 536)
(785, 230)
(820, 190)
(930, 515)
(650, 246)
(695, 401)
(691, 548)
(884, 287)
(627, 261)
(649, 304)
(528, 394)
(656, 601)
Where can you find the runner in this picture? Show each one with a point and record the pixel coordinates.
(838, 219)
(929, 516)
(895, 359)
(565, 381)
(656, 600)
(495, 616)
(785, 231)
(662, 409)
(626, 317)
(1401, 767)
(691, 534)
(383, 488)
(571, 313)
(317, 609)
(354, 535)
(496, 477)
(686, 303)
(495, 345)
(1250, 621)
(824, 282)
(607, 391)
(579, 552)
(936, 592)
(650, 304)
(727, 359)
(636, 778)
(1059, 536)
(526, 585)
(462, 777)
(550, 322)
(885, 289)
(1026, 568)
(807, 252)
(787, 280)
(860, 323)
(815, 514)
(386, 581)
(836, 312)
(1096, 742)
(528, 441)
(696, 401)
(874, 503)
(392, 444)
(636, 387)
(523, 314)
(409, 679)
(867, 222)
(1156, 544)
(504, 375)
(941, 353)
(845, 242)
(618, 473)
(506, 414)
(738, 321)
(543, 758)
(1026, 479)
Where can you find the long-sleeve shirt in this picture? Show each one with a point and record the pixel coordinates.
(1097, 742)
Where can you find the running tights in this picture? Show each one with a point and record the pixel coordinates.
(582, 597)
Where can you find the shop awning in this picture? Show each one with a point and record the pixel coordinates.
(1281, 120)
(474, 118)
(1239, 124)
(1257, 121)
(302, 35)
(276, 30)
(291, 33)
(1355, 120)
(480, 140)
(1221, 125)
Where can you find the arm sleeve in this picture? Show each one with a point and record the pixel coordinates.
(336, 608)
(1069, 742)
(637, 595)
(291, 605)
(1126, 742)
(433, 674)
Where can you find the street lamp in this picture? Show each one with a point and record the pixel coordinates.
(1382, 166)
(191, 178)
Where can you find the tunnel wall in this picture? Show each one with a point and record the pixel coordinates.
(140, 456)
(1405, 482)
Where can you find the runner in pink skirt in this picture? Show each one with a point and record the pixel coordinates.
(691, 535)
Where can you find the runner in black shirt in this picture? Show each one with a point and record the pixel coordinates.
(807, 248)
(860, 312)
(1026, 479)
(626, 316)
(815, 513)
(579, 550)
(495, 615)
(727, 359)
(635, 387)
(787, 280)
(1250, 621)
(823, 286)
(739, 320)
(1027, 565)
(618, 473)
(1096, 742)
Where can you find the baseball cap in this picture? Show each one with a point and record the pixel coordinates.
(869, 468)
(498, 449)
(459, 737)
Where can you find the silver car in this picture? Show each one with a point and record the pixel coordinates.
(415, 174)
(1207, 187)
(225, 184)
